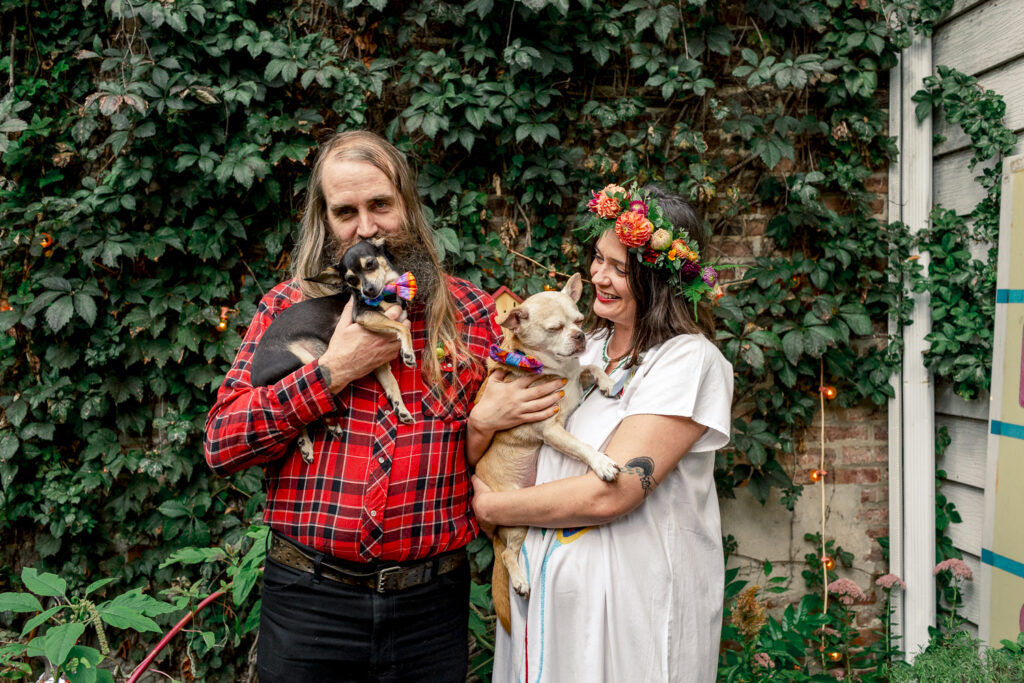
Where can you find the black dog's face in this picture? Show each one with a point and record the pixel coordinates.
(365, 267)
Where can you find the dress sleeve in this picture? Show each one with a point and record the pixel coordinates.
(253, 425)
(686, 376)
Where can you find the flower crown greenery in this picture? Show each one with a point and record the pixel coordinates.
(646, 232)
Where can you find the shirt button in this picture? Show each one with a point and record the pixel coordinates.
(381, 460)
(373, 513)
(387, 411)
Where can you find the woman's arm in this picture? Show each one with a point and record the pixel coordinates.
(503, 405)
(646, 447)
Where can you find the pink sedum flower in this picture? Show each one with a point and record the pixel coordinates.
(959, 569)
(762, 660)
(846, 591)
(889, 581)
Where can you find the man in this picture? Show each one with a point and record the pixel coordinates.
(366, 577)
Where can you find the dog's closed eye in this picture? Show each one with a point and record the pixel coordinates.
(556, 328)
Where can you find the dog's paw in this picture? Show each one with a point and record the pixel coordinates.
(605, 467)
(409, 359)
(404, 416)
(306, 449)
(605, 384)
(521, 586)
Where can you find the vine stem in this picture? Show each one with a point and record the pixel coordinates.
(141, 668)
(821, 488)
(547, 268)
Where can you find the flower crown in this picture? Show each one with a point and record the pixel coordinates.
(645, 231)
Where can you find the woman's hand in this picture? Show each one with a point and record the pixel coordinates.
(505, 404)
(480, 489)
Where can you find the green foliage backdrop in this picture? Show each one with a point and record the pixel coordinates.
(154, 155)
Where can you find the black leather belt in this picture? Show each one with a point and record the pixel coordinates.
(391, 578)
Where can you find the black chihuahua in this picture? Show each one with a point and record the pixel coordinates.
(301, 333)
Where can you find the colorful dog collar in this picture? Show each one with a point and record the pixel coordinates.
(404, 288)
(516, 359)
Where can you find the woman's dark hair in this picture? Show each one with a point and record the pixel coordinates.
(661, 312)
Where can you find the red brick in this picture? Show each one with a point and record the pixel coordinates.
(859, 455)
(878, 206)
(736, 247)
(847, 432)
(879, 182)
(881, 433)
(863, 413)
(754, 226)
(874, 515)
(877, 532)
(863, 475)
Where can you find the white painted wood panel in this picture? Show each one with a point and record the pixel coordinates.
(971, 607)
(948, 403)
(953, 182)
(986, 36)
(970, 503)
(959, 7)
(967, 456)
(1007, 81)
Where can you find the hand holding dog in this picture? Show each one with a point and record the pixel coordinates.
(354, 351)
(506, 404)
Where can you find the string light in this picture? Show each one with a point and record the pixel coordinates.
(5, 305)
(46, 240)
(828, 391)
(223, 324)
(835, 656)
(828, 563)
(818, 475)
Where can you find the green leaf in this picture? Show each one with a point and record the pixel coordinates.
(793, 346)
(48, 585)
(59, 313)
(39, 619)
(127, 617)
(96, 585)
(86, 308)
(19, 602)
(59, 640)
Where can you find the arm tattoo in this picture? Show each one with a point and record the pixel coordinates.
(643, 468)
(326, 374)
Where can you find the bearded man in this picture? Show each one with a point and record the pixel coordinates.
(366, 576)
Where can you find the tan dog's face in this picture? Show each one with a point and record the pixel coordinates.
(547, 324)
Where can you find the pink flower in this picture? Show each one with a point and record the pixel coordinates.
(889, 580)
(959, 569)
(839, 674)
(638, 206)
(763, 660)
(826, 631)
(847, 591)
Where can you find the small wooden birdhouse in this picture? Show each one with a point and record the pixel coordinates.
(505, 300)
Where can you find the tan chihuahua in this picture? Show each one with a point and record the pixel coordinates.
(544, 328)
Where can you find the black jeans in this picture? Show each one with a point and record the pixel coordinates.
(325, 631)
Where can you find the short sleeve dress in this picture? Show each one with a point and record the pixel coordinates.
(638, 599)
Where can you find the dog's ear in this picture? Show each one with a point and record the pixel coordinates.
(514, 318)
(328, 276)
(574, 287)
(377, 242)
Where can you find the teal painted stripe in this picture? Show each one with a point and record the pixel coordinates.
(1007, 429)
(1002, 562)
(1010, 296)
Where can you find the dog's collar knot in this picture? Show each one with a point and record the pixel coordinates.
(516, 359)
(404, 288)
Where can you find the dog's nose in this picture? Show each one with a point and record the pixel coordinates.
(578, 337)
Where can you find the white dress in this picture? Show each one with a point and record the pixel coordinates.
(638, 600)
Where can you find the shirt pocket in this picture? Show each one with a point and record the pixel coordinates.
(454, 399)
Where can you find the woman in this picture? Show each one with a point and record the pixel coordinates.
(626, 579)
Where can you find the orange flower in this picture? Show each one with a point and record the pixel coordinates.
(633, 229)
(693, 256)
(604, 205)
(671, 254)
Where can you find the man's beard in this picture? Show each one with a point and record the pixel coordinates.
(407, 254)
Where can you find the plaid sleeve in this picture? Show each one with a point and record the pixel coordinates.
(253, 425)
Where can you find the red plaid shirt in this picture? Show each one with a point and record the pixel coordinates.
(388, 491)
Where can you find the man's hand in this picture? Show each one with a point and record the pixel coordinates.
(354, 351)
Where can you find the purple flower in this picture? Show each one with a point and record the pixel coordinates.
(709, 276)
(689, 270)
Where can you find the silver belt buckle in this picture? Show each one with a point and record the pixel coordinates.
(382, 577)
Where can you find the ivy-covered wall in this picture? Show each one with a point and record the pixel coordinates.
(154, 156)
